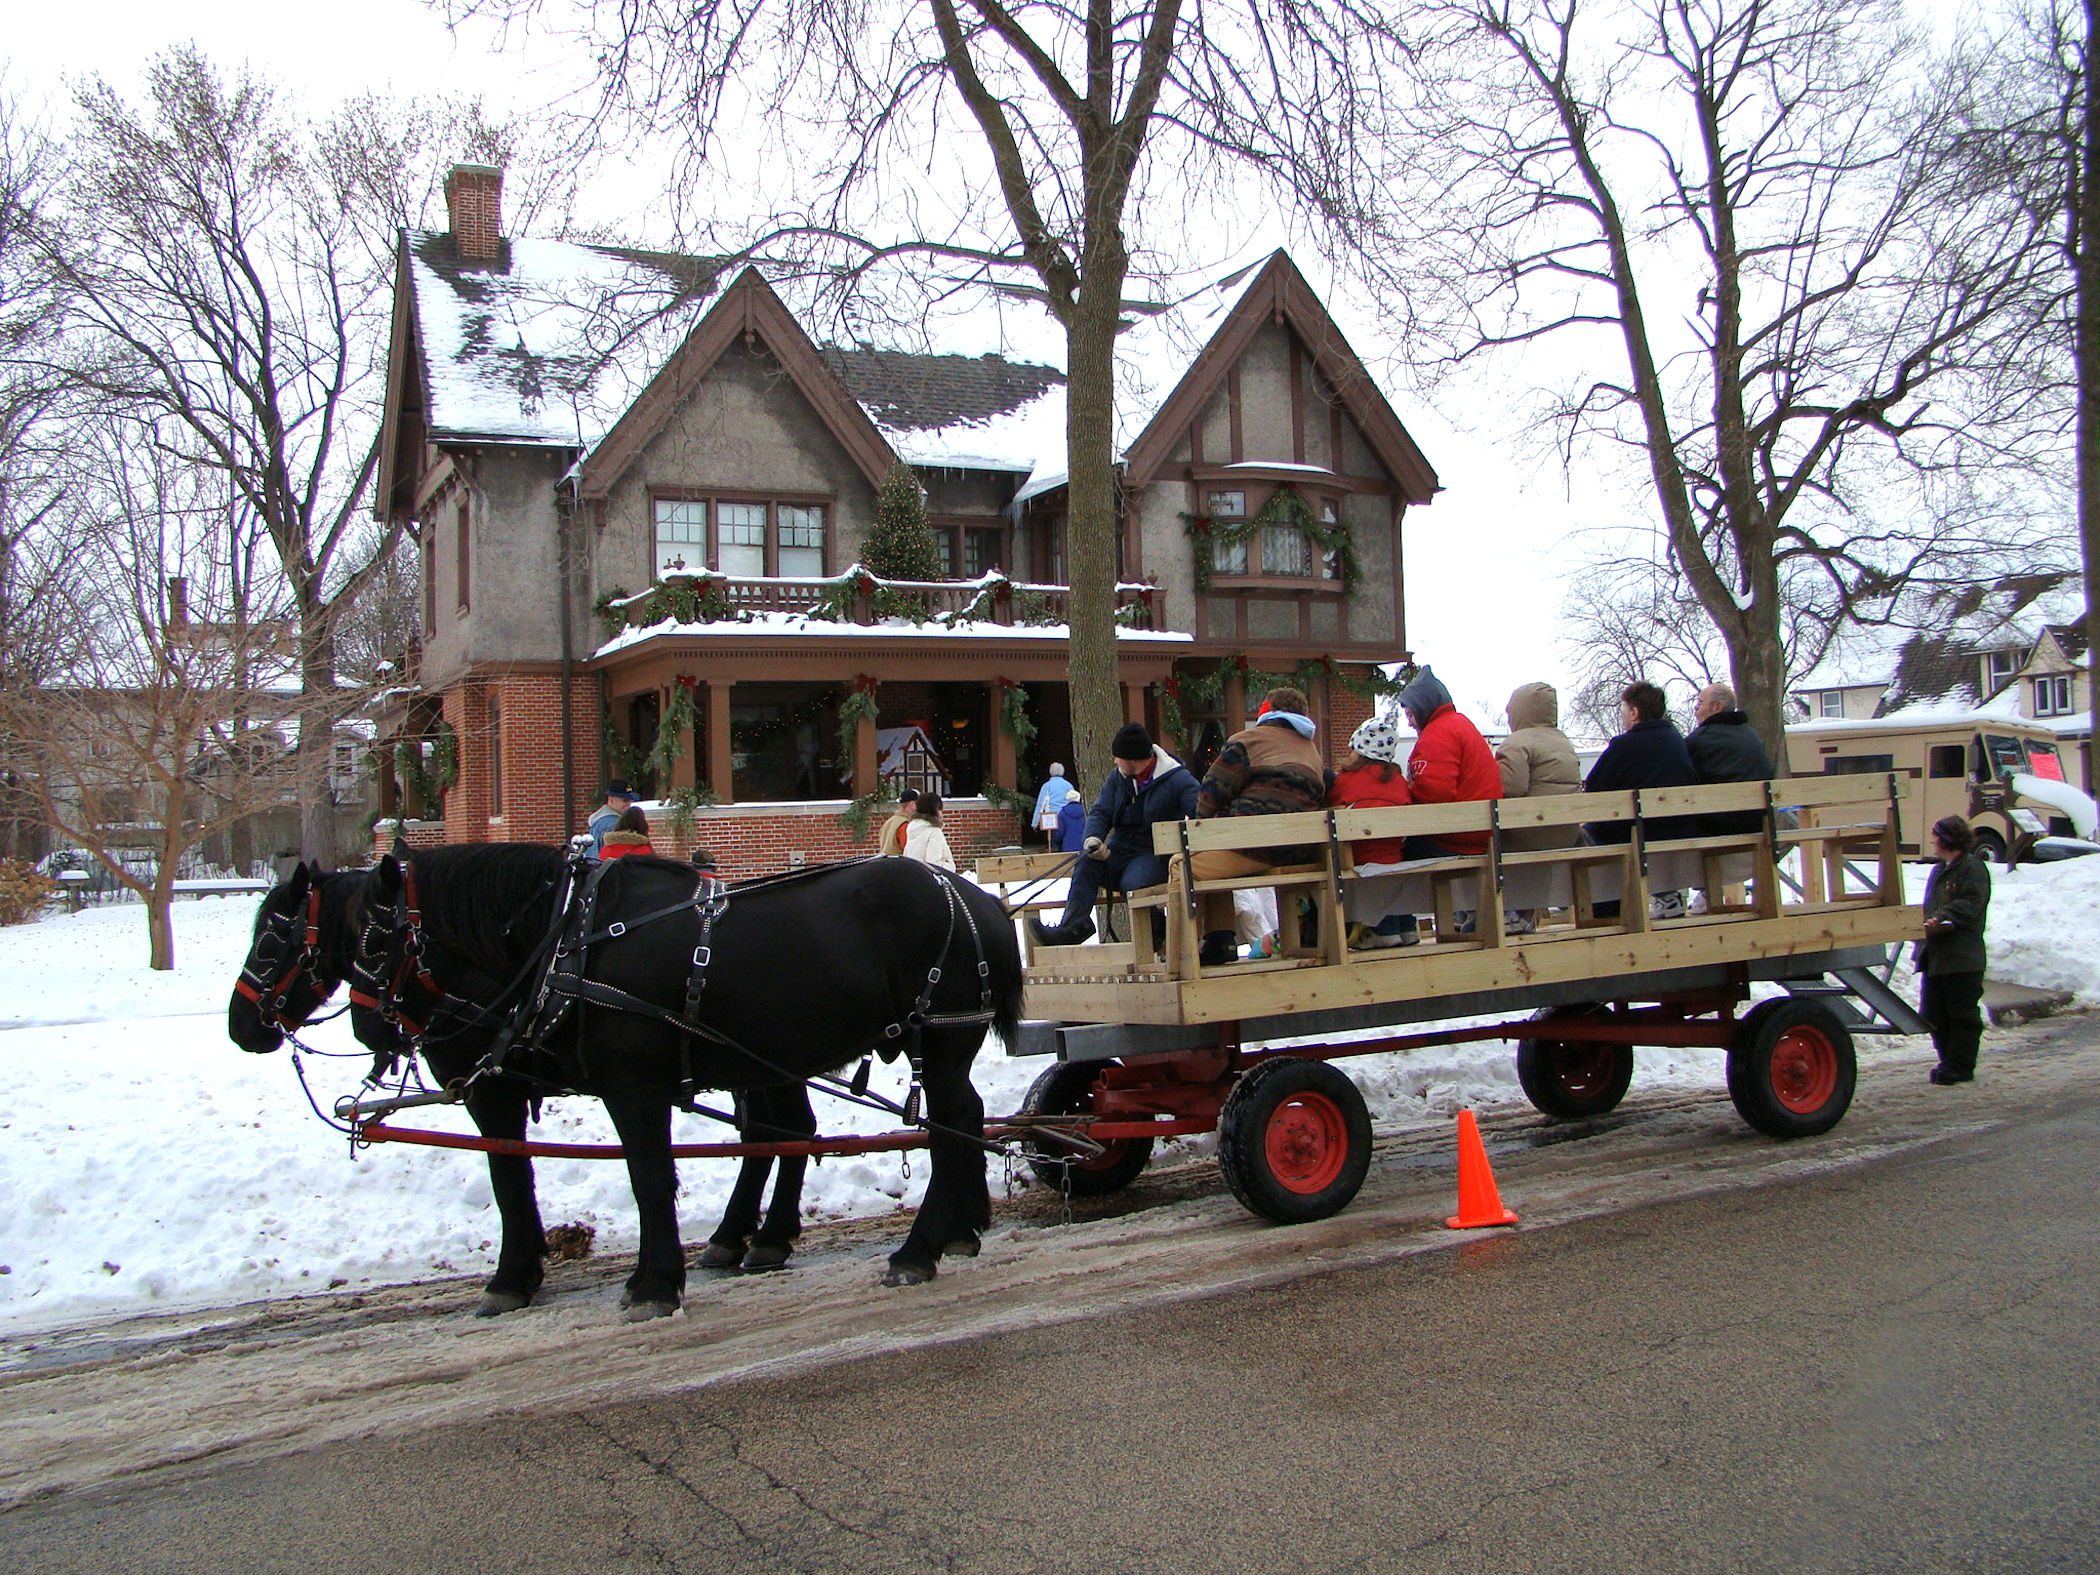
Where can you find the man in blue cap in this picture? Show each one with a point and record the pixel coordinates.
(618, 797)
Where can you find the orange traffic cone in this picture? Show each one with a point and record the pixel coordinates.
(1478, 1202)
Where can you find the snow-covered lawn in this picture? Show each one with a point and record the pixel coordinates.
(145, 1160)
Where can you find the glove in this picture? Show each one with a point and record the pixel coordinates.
(1094, 848)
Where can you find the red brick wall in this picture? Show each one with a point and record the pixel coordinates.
(761, 841)
(474, 196)
(1346, 712)
(530, 738)
(747, 842)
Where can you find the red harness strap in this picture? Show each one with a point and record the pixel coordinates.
(275, 994)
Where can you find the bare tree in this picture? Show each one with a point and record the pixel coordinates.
(230, 263)
(1746, 206)
(168, 709)
(1064, 104)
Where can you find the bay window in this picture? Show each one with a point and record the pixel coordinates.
(742, 537)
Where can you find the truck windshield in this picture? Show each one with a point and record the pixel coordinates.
(2007, 755)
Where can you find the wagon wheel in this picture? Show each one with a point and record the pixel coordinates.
(1067, 1089)
(1573, 1078)
(1791, 1069)
(1294, 1140)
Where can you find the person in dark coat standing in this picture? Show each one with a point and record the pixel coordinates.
(1950, 959)
(1070, 835)
(1148, 786)
(1725, 748)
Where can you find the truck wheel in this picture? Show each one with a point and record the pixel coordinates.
(1294, 1140)
(1573, 1078)
(1990, 847)
(1067, 1089)
(1791, 1069)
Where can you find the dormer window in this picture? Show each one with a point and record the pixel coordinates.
(2052, 695)
(2004, 664)
(744, 538)
(1283, 546)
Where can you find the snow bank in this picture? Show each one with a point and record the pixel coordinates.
(2044, 929)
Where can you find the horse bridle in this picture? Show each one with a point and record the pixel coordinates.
(273, 997)
(368, 990)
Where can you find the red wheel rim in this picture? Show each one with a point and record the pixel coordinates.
(1584, 1071)
(1307, 1143)
(1112, 1154)
(1804, 1070)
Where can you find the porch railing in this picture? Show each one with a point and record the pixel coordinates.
(858, 597)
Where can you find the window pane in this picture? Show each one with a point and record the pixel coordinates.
(741, 530)
(681, 535)
(980, 552)
(944, 550)
(1228, 557)
(1231, 505)
(1285, 551)
(801, 539)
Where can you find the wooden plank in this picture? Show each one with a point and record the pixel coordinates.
(1019, 866)
(1712, 798)
(1391, 976)
(1104, 957)
(1606, 854)
(1871, 788)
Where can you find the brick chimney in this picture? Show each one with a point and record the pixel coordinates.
(474, 199)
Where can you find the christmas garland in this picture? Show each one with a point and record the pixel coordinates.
(1014, 720)
(672, 730)
(856, 815)
(857, 706)
(1285, 509)
(1179, 693)
(680, 807)
(443, 775)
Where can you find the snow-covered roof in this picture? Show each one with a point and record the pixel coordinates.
(551, 341)
(979, 411)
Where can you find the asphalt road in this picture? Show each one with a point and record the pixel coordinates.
(1888, 1367)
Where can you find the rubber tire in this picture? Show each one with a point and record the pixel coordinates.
(1542, 1069)
(1812, 1044)
(1244, 1131)
(1067, 1090)
(1990, 847)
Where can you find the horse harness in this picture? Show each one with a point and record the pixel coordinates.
(552, 983)
(272, 997)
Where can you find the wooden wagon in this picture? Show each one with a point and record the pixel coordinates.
(1804, 891)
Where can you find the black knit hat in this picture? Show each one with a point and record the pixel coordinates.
(1131, 742)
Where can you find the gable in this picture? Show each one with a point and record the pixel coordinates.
(1279, 312)
(748, 312)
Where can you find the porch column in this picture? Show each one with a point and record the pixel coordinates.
(685, 770)
(865, 760)
(1134, 703)
(721, 776)
(1006, 766)
(1235, 701)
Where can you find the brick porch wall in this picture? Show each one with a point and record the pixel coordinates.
(762, 839)
(1346, 712)
(530, 738)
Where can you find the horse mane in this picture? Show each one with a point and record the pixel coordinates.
(478, 893)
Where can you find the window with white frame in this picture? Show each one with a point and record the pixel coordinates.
(1228, 509)
(801, 538)
(681, 535)
(1831, 703)
(740, 538)
(2052, 695)
(2003, 664)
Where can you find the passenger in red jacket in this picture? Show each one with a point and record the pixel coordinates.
(630, 836)
(1451, 764)
(1371, 778)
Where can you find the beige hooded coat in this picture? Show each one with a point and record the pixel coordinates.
(1537, 761)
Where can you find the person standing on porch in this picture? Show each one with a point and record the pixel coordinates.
(1049, 800)
(1148, 786)
(923, 838)
(619, 798)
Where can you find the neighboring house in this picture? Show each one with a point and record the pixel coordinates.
(705, 472)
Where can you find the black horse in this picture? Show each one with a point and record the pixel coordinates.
(807, 974)
(306, 944)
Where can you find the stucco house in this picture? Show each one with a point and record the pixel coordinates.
(641, 486)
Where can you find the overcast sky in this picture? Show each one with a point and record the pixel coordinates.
(1484, 563)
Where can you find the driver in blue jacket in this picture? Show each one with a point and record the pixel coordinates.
(1148, 786)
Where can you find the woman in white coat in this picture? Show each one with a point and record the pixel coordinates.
(923, 838)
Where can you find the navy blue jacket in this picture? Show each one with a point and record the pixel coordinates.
(1646, 755)
(1125, 817)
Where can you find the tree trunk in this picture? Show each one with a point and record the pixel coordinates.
(160, 921)
(1091, 520)
(2086, 222)
(316, 746)
(1757, 668)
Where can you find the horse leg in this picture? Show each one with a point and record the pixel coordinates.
(725, 1248)
(958, 1203)
(642, 1117)
(789, 1115)
(499, 1112)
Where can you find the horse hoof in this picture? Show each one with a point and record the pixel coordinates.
(767, 1255)
(963, 1247)
(907, 1274)
(643, 1312)
(716, 1256)
(494, 1304)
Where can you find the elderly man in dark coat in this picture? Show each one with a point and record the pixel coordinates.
(1951, 957)
(1148, 786)
(1725, 748)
